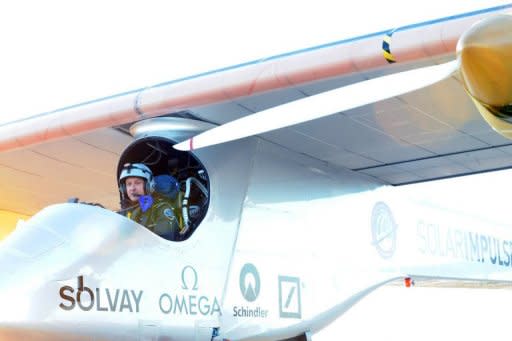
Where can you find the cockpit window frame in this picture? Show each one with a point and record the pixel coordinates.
(180, 164)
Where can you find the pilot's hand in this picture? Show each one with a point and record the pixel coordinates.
(92, 204)
(75, 200)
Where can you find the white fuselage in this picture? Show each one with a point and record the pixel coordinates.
(288, 244)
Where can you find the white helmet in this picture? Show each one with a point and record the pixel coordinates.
(139, 170)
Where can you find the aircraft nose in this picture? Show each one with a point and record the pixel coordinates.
(46, 254)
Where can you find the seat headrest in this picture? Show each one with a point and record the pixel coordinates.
(166, 185)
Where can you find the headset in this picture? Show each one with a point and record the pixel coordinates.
(139, 170)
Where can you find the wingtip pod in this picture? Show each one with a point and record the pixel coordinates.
(485, 57)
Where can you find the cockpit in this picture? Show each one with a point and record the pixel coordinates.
(179, 177)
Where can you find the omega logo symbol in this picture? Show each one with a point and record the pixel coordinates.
(189, 278)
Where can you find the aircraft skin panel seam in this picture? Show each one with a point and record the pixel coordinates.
(77, 138)
(401, 140)
(235, 242)
(432, 157)
(19, 170)
(441, 122)
(452, 176)
(44, 155)
(328, 164)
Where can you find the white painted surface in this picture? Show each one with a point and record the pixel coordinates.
(421, 314)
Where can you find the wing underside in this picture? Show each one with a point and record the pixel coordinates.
(82, 166)
(428, 134)
(425, 135)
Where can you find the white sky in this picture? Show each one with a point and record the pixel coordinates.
(59, 53)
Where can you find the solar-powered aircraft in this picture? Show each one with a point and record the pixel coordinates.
(287, 168)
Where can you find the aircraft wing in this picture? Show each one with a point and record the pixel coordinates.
(82, 166)
(427, 134)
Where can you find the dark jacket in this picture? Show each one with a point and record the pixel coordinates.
(162, 217)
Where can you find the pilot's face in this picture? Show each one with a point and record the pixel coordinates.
(134, 188)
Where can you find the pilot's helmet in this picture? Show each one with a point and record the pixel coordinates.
(139, 170)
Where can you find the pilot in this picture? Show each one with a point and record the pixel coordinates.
(136, 184)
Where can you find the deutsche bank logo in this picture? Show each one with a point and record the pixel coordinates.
(249, 282)
(289, 297)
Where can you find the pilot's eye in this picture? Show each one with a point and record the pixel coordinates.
(134, 182)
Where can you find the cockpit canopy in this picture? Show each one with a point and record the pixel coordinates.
(169, 166)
